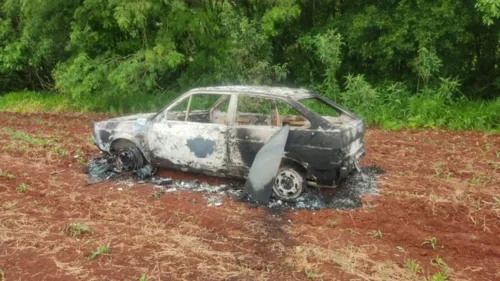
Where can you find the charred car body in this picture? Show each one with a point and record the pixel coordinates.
(219, 130)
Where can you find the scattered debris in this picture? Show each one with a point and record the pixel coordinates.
(105, 168)
(161, 181)
(144, 172)
(348, 195)
(100, 169)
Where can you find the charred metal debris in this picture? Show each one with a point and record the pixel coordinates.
(280, 140)
(348, 194)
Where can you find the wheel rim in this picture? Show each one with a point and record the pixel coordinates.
(288, 184)
(126, 160)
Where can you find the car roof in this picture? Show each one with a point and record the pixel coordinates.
(292, 93)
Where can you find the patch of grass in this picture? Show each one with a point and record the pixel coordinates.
(101, 250)
(377, 233)
(15, 147)
(81, 161)
(143, 278)
(475, 180)
(413, 266)
(62, 152)
(312, 275)
(6, 174)
(496, 165)
(432, 241)
(76, 229)
(30, 102)
(23, 136)
(157, 194)
(444, 269)
(400, 249)
(439, 277)
(2, 275)
(22, 187)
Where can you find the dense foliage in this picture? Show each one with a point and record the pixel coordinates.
(367, 54)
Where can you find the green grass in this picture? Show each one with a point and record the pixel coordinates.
(432, 241)
(21, 188)
(6, 174)
(23, 136)
(412, 266)
(29, 102)
(76, 229)
(391, 107)
(101, 250)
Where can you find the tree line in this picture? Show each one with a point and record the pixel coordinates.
(115, 48)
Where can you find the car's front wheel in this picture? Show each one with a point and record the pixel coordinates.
(289, 183)
(129, 159)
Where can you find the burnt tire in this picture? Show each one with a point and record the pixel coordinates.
(289, 183)
(129, 159)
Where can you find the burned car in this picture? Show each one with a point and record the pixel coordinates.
(219, 130)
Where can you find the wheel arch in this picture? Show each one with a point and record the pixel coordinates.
(290, 160)
(123, 142)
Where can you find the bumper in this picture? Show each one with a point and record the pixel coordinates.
(351, 163)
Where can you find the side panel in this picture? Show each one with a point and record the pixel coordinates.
(312, 149)
(188, 145)
(243, 144)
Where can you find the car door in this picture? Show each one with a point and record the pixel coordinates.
(192, 134)
(254, 124)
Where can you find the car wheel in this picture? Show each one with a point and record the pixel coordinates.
(129, 159)
(288, 184)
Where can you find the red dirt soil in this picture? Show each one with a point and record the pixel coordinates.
(438, 184)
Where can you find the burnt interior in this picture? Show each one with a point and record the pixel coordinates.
(242, 118)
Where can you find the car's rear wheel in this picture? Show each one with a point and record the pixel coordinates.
(129, 159)
(289, 183)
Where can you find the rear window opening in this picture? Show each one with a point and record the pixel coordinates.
(320, 107)
(327, 111)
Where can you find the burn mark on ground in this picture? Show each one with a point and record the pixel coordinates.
(348, 195)
(201, 147)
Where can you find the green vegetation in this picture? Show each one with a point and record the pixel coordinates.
(76, 229)
(312, 275)
(413, 266)
(22, 188)
(378, 233)
(62, 152)
(23, 136)
(397, 64)
(7, 175)
(432, 241)
(101, 250)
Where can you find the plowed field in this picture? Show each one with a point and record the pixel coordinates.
(437, 215)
